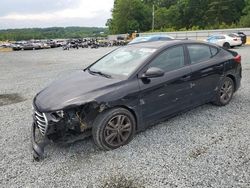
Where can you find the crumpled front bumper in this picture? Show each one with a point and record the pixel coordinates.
(38, 147)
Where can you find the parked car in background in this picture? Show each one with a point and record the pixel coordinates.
(225, 41)
(132, 88)
(241, 35)
(151, 38)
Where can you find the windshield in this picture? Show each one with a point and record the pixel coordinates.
(122, 61)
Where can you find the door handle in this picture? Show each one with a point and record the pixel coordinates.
(192, 85)
(185, 78)
(218, 66)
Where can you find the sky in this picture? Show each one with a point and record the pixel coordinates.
(50, 13)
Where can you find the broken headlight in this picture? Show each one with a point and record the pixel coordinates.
(57, 116)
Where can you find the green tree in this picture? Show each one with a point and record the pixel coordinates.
(183, 14)
(245, 19)
(160, 3)
(177, 14)
(195, 14)
(50, 33)
(167, 18)
(224, 11)
(129, 15)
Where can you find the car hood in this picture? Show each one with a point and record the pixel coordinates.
(76, 89)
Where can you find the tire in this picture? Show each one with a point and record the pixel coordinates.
(113, 128)
(226, 45)
(225, 92)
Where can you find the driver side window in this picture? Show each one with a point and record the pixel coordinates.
(169, 60)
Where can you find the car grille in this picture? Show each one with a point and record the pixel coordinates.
(41, 121)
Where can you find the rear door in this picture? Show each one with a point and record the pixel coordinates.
(207, 71)
(160, 97)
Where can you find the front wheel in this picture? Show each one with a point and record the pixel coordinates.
(225, 92)
(114, 128)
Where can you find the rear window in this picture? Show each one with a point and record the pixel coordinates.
(199, 53)
(220, 37)
(232, 35)
(214, 51)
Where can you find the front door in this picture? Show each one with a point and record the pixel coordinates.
(162, 96)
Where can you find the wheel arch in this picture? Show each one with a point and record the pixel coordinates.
(97, 109)
(234, 80)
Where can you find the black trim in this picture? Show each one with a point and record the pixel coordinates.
(38, 148)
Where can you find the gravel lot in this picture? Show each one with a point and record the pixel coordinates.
(206, 147)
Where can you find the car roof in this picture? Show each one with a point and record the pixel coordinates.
(217, 35)
(159, 36)
(164, 44)
(149, 36)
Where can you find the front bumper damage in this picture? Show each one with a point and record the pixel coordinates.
(62, 127)
(58, 127)
(39, 130)
(38, 146)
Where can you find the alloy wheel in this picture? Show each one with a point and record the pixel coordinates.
(226, 91)
(118, 130)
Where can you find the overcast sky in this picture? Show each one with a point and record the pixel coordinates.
(49, 13)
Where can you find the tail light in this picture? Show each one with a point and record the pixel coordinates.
(237, 59)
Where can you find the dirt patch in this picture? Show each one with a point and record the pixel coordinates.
(6, 49)
(198, 151)
(7, 99)
(121, 181)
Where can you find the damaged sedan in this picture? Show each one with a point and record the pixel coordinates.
(132, 88)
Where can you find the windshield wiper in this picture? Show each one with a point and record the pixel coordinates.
(100, 73)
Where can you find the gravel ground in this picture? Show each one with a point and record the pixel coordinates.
(206, 147)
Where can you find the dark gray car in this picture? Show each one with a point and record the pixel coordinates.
(132, 88)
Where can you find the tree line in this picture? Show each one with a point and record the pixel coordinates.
(174, 15)
(51, 33)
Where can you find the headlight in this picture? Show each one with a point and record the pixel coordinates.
(57, 116)
(60, 113)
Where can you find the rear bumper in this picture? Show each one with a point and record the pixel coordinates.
(238, 77)
(238, 83)
(236, 43)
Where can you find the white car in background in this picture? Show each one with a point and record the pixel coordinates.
(225, 41)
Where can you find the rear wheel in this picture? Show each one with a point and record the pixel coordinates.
(113, 128)
(226, 45)
(225, 92)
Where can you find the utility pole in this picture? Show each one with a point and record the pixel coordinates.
(153, 20)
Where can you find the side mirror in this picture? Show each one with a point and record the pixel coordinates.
(153, 72)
